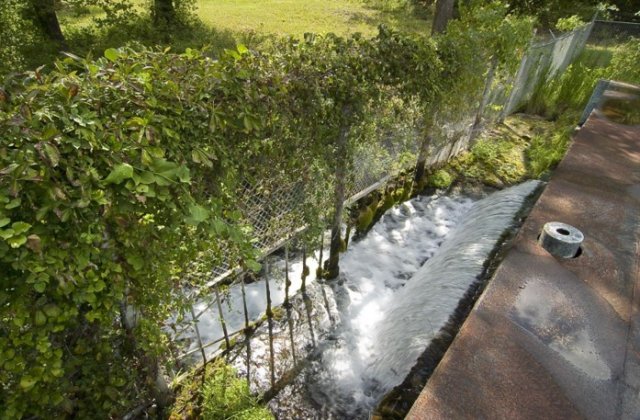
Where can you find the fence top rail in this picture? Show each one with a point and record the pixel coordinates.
(616, 22)
(559, 38)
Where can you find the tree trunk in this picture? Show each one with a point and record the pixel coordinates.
(46, 20)
(485, 97)
(332, 268)
(423, 153)
(164, 12)
(444, 13)
(129, 318)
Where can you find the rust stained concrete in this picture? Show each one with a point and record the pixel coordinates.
(554, 338)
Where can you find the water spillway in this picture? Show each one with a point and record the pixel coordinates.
(423, 306)
(389, 310)
(345, 343)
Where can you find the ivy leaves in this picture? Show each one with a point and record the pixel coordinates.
(16, 234)
(95, 189)
(121, 172)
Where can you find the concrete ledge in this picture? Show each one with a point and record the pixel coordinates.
(554, 338)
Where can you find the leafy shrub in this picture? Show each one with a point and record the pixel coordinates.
(568, 24)
(107, 193)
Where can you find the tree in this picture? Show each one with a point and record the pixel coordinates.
(549, 11)
(164, 12)
(444, 13)
(43, 14)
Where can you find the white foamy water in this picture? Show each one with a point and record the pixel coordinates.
(384, 327)
(373, 272)
(423, 306)
(405, 237)
(208, 319)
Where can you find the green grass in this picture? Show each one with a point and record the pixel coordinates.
(291, 17)
(223, 395)
(295, 17)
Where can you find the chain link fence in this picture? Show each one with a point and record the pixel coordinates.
(273, 207)
(544, 61)
(606, 33)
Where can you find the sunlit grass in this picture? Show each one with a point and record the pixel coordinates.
(295, 17)
(291, 17)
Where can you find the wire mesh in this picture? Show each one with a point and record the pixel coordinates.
(544, 61)
(606, 33)
(272, 207)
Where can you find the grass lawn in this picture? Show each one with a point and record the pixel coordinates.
(295, 17)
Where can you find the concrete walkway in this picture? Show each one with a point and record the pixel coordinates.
(550, 338)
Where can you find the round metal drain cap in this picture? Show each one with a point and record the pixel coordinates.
(560, 239)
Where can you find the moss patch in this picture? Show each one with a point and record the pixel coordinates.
(225, 395)
(522, 148)
(440, 179)
(364, 219)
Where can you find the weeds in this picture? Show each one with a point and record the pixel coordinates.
(223, 396)
(569, 92)
(226, 396)
(546, 151)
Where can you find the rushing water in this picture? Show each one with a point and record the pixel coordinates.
(349, 341)
(404, 238)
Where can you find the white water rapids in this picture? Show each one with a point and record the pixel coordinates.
(385, 308)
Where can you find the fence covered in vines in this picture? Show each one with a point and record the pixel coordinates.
(132, 184)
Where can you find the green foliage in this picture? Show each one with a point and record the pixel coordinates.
(110, 23)
(568, 24)
(119, 181)
(226, 396)
(570, 91)
(548, 12)
(624, 64)
(564, 97)
(139, 30)
(493, 31)
(440, 179)
(21, 45)
(486, 36)
(108, 190)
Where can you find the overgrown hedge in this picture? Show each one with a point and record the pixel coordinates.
(117, 174)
